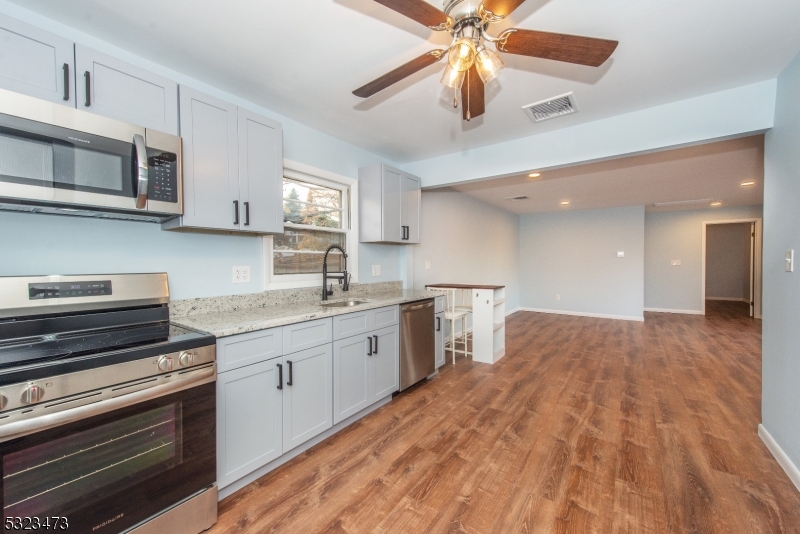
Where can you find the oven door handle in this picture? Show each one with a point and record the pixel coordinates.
(191, 379)
(142, 172)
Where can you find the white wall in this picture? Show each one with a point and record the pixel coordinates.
(728, 261)
(781, 330)
(198, 265)
(678, 235)
(574, 254)
(467, 241)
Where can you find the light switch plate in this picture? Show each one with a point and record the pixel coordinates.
(241, 274)
(790, 261)
(427, 265)
(675, 262)
(620, 253)
(558, 297)
(376, 270)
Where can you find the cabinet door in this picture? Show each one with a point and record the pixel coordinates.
(385, 362)
(36, 63)
(391, 205)
(439, 338)
(411, 199)
(351, 376)
(307, 395)
(125, 92)
(210, 162)
(249, 420)
(260, 173)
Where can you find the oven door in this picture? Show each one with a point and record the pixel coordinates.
(108, 472)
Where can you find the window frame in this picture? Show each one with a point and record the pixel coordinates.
(301, 171)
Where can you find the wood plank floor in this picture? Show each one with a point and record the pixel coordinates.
(587, 425)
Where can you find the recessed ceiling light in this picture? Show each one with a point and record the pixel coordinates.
(565, 202)
(534, 175)
(748, 183)
(717, 203)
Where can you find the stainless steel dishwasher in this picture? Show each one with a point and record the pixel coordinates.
(417, 342)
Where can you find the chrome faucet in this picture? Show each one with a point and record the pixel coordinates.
(343, 277)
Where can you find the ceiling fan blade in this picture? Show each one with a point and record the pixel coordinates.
(497, 10)
(421, 11)
(401, 72)
(472, 97)
(556, 46)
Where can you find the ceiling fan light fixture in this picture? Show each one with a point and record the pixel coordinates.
(452, 78)
(462, 54)
(488, 64)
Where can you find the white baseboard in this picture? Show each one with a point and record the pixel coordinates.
(515, 310)
(784, 461)
(667, 310)
(584, 314)
(729, 299)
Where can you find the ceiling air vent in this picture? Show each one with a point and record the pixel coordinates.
(551, 108)
(515, 199)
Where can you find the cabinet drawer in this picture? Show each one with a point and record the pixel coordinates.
(352, 324)
(245, 349)
(438, 307)
(306, 335)
(388, 316)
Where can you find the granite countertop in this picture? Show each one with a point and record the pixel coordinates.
(241, 321)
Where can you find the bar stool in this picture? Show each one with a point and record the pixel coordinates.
(457, 313)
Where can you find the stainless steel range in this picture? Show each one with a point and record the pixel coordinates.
(107, 411)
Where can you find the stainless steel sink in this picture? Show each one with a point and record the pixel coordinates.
(343, 303)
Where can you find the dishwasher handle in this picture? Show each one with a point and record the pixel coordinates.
(418, 307)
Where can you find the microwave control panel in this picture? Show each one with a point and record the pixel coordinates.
(162, 176)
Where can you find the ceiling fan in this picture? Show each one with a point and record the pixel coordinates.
(470, 64)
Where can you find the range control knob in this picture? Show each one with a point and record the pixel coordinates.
(3, 401)
(31, 394)
(165, 364)
(186, 359)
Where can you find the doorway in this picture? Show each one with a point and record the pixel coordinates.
(732, 267)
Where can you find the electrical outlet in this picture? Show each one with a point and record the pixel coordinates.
(376, 270)
(427, 265)
(675, 263)
(558, 297)
(241, 274)
(620, 253)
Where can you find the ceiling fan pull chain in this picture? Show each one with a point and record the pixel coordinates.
(455, 97)
(469, 115)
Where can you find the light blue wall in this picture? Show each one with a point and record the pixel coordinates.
(735, 112)
(574, 254)
(198, 264)
(781, 330)
(678, 235)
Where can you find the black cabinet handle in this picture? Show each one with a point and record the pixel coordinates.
(87, 78)
(438, 324)
(280, 375)
(289, 382)
(66, 81)
(376, 343)
(369, 349)
(247, 214)
(236, 213)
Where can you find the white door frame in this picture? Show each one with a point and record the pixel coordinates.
(757, 267)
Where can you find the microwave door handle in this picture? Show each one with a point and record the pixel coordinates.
(142, 172)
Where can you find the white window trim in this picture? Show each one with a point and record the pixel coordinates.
(291, 281)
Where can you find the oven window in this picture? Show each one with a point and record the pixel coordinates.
(66, 472)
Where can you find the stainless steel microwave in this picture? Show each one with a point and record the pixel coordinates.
(56, 159)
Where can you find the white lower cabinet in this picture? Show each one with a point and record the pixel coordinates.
(269, 404)
(439, 339)
(307, 395)
(249, 420)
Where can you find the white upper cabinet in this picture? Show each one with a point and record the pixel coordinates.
(260, 173)
(389, 205)
(111, 87)
(232, 167)
(36, 63)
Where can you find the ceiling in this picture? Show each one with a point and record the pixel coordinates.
(302, 58)
(712, 171)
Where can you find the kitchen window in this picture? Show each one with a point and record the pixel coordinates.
(317, 213)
